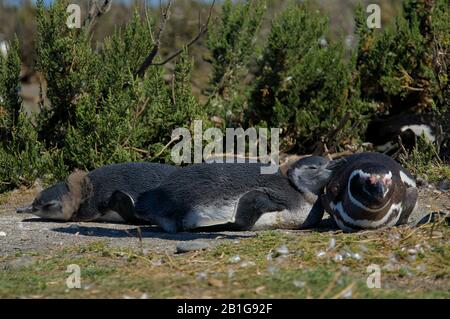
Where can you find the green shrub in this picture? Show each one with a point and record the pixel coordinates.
(304, 82)
(233, 47)
(100, 112)
(398, 66)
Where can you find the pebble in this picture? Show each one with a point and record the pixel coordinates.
(331, 243)
(272, 270)
(202, 276)
(283, 250)
(299, 283)
(246, 264)
(421, 181)
(356, 256)
(184, 247)
(444, 185)
(348, 294)
(321, 254)
(2, 234)
(234, 259)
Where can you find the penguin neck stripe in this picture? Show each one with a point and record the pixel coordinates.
(357, 203)
(407, 180)
(365, 223)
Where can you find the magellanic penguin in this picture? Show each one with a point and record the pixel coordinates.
(232, 196)
(369, 191)
(384, 133)
(85, 196)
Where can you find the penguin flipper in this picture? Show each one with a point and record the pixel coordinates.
(410, 201)
(325, 201)
(123, 204)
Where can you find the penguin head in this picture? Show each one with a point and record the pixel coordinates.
(371, 185)
(310, 174)
(49, 203)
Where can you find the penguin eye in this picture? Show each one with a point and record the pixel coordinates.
(312, 167)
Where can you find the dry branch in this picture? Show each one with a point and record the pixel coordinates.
(322, 146)
(95, 12)
(203, 29)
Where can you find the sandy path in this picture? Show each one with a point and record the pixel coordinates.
(26, 233)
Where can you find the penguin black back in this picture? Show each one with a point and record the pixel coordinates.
(228, 197)
(85, 196)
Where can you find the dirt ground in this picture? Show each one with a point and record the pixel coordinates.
(27, 233)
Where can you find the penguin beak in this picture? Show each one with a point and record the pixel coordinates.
(336, 164)
(25, 209)
(379, 190)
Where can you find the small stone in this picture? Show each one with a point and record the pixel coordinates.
(338, 257)
(363, 248)
(2, 234)
(260, 289)
(283, 250)
(348, 294)
(202, 276)
(184, 247)
(234, 259)
(323, 42)
(331, 243)
(272, 270)
(345, 269)
(246, 264)
(299, 283)
(421, 267)
(346, 254)
(444, 185)
(356, 256)
(269, 257)
(421, 181)
(321, 254)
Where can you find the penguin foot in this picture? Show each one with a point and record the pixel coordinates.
(433, 218)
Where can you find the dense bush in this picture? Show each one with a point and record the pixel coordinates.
(304, 82)
(103, 111)
(100, 111)
(402, 66)
(232, 45)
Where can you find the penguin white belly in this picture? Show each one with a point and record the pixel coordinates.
(285, 219)
(270, 220)
(203, 216)
(111, 217)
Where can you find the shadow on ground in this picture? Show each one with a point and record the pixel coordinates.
(145, 232)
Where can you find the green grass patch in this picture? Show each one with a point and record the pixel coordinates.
(414, 263)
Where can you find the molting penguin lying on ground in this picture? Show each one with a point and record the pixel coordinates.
(369, 191)
(85, 196)
(215, 197)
